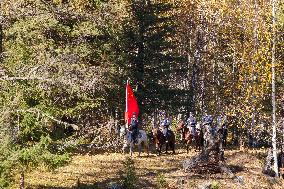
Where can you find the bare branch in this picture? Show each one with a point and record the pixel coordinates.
(38, 111)
(5, 78)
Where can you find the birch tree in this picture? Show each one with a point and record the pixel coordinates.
(274, 142)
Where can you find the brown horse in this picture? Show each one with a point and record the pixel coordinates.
(160, 140)
(190, 139)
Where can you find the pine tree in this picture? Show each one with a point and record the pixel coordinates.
(149, 34)
(58, 66)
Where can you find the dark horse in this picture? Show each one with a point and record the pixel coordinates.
(224, 131)
(160, 140)
(189, 138)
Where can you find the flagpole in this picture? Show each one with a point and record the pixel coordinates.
(126, 100)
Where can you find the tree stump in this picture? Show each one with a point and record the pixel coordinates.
(211, 158)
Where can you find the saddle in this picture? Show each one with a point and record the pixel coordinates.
(139, 135)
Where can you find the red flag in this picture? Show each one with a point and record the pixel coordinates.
(131, 104)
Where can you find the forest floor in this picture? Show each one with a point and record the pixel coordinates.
(104, 169)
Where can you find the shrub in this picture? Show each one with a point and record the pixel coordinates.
(129, 178)
(162, 183)
(215, 185)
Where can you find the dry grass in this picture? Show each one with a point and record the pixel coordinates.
(99, 171)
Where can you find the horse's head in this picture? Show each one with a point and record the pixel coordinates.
(156, 136)
(122, 131)
(180, 125)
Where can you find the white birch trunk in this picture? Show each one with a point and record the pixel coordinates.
(275, 167)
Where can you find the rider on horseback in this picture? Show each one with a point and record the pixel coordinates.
(191, 123)
(134, 127)
(165, 123)
(207, 119)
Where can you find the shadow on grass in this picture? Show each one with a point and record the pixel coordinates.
(98, 185)
(236, 168)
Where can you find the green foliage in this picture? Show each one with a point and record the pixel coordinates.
(162, 183)
(129, 178)
(15, 158)
(31, 128)
(7, 162)
(66, 62)
(40, 153)
(215, 185)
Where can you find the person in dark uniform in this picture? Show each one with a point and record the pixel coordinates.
(191, 123)
(134, 127)
(165, 123)
(208, 120)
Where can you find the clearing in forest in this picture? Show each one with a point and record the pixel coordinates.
(103, 170)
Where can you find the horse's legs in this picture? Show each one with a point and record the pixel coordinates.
(173, 147)
(167, 146)
(200, 143)
(139, 148)
(225, 141)
(124, 148)
(147, 147)
(187, 147)
(159, 151)
(196, 143)
(131, 149)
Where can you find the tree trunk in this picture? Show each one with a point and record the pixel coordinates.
(210, 160)
(282, 134)
(22, 180)
(275, 167)
(268, 166)
(155, 118)
(193, 80)
(1, 41)
(254, 76)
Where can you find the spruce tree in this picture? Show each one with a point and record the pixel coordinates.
(58, 66)
(149, 34)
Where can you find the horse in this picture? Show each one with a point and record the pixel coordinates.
(142, 139)
(189, 138)
(159, 140)
(224, 132)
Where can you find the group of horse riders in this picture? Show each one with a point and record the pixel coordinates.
(190, 122)
(207, 119)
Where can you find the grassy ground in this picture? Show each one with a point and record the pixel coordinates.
(101, 170)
